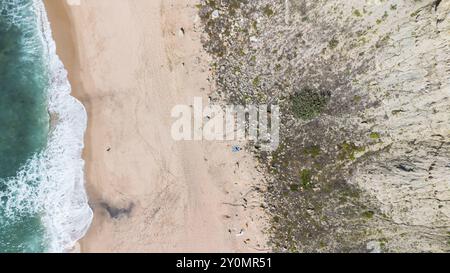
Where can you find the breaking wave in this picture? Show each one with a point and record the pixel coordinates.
(51, 183)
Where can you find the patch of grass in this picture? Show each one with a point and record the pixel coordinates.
(333, 43)
(383, 243)
(268, 11)
(383, 41)
(348, 151)
(212, 3)
(357, 13)
(368, 214)
(414, 14)
(235, 4)
(307, 103)
(256, 81)
(294, 187)
(255, 25)
(374, 135)
(305, 178)
(357, 98)
(313, 151)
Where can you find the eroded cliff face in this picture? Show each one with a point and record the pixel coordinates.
(364, 87)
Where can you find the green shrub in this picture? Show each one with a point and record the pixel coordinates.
(307, 103)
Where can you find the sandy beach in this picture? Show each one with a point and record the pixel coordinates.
(129, 63)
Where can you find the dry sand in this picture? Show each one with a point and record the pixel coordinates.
(129, 63)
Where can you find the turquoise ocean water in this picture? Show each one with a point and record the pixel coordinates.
(43, 206)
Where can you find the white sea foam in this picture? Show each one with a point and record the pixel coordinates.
(67, 213)
(51, 183)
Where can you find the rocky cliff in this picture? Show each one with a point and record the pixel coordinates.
(364, 88)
